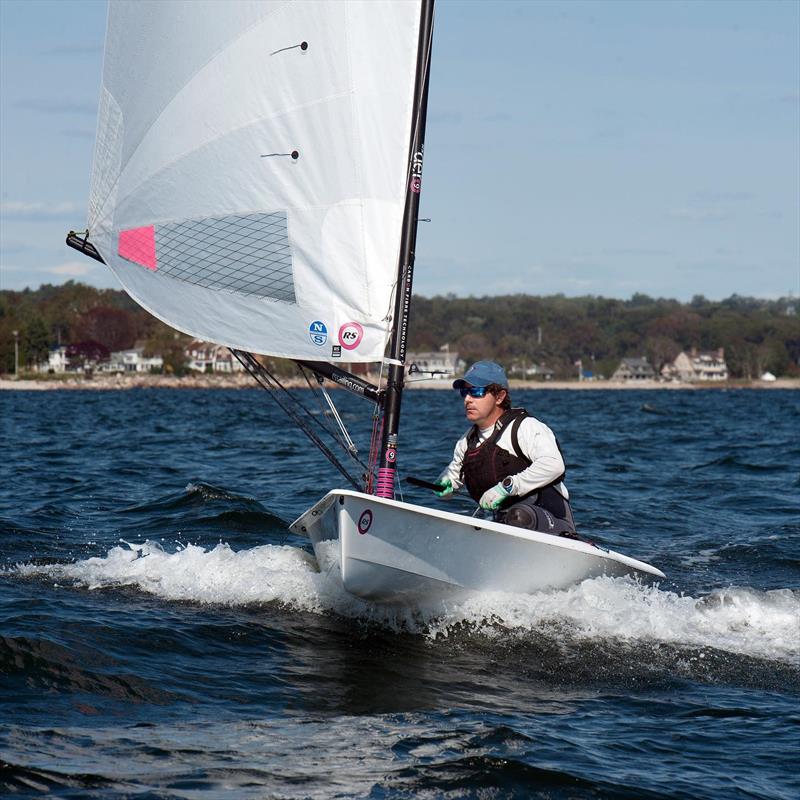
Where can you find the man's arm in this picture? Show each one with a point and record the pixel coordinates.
(452, 472)
(538, 443)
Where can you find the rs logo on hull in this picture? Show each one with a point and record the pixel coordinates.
(364, 521)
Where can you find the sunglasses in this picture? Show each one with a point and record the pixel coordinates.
(472, 391)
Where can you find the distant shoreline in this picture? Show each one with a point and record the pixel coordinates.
(123, 382)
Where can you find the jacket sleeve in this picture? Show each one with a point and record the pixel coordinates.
(538, 443)
(453, 469)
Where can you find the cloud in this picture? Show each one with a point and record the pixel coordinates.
(72, 269)
(699, 214)
(73, 50)
(9, 247)
(498, 116)
(635, 252)
(50, 106)
(77, 133)
(446, 117)
(580, 283)
(40, 212)
(706, 196)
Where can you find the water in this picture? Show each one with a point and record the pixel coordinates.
(164, 636)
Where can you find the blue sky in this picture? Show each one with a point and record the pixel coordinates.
(597, 147)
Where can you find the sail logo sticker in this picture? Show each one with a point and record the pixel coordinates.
(364, 521)
(318, 333)
(350, 335)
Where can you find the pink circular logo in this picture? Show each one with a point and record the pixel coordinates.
(350, 335)
(364, 521)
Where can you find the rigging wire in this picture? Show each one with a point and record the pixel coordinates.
(344, 441)
(350, 445)
(287, 403)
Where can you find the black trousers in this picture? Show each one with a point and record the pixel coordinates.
(546, 511)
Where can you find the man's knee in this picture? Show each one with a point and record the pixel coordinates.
(535, 518)
(522, 516)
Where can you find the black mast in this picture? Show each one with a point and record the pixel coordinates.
(405, 273)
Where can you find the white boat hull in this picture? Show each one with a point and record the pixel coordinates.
(395, 552)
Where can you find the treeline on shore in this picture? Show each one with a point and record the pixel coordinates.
(556, 331)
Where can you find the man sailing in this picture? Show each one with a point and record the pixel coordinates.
(509, 461)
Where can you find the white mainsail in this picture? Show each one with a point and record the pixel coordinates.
(251, 166)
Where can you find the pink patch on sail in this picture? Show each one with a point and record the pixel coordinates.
(139, 245)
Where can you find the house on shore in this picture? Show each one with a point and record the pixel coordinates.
(77, 358)
(57, 361)
(634, 369)
(132, 361)
(530, 370)
(439, 364)
(207, 357)
(698, 366)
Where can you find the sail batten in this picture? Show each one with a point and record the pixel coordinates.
(280, 255)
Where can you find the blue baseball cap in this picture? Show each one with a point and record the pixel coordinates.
(483, 373)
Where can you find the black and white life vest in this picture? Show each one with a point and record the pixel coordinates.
(485, 463)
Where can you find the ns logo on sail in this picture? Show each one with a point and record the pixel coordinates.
(318, 333)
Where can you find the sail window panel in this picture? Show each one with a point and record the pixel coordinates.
(248, 254)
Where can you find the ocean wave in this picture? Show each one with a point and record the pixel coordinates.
(735, 464)
(740, 620)
(28, 781)
(194, 494)
(40, 663)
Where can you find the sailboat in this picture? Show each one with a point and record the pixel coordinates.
(256, 183)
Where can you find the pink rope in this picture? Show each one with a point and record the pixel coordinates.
(385, 486)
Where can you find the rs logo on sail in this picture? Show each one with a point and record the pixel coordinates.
(350, 335)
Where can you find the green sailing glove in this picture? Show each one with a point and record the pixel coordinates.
(447, 488)
(492, 498)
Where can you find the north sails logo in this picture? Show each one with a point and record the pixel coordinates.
(318, 332)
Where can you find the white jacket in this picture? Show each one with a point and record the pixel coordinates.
(536, 441)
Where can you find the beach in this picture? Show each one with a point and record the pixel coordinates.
(243, 381)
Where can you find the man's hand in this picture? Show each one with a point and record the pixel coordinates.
(492, 498)
(447, 488)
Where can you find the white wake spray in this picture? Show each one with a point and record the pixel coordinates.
(736, 620)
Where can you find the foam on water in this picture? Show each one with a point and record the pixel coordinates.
(736, 619)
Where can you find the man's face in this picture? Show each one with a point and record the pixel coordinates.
(483, 411)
